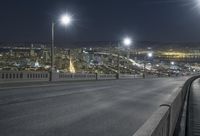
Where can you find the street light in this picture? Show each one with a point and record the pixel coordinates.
(126, 42)
(149, 55)
(65, 20)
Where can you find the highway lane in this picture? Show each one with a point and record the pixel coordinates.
(93, 108)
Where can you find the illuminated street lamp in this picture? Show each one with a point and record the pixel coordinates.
(172, 63)
(65, 20)
(126, 42)
(149, 55)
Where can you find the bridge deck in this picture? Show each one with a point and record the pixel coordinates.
(103, 108)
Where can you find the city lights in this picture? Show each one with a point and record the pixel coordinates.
(100, 68)
(71, 67)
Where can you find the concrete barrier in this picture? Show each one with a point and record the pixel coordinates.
(164, 121)
(175, 104)
(157, 125)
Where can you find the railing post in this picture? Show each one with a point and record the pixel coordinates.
(117, 76)
(96, 74)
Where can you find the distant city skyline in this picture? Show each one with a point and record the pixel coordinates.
(105, 20)
(79, 44)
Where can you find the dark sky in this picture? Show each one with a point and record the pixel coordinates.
(99, 20)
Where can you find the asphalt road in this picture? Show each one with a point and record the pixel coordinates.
(93, 108)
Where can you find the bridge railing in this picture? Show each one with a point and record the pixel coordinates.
(31, 76)
(70, 76)
(34, 76)
(23, 76)
(106, 76)
(163, 122)
(128, 76)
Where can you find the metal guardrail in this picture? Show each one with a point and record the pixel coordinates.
(163, 122)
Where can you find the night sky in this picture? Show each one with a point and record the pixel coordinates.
(100, 20)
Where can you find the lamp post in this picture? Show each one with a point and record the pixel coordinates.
(52, 48)
(149, 55)
(64, 20)
(118, 61)
(172, 63)
(126, 42)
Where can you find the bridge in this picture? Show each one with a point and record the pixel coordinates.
(98, 104)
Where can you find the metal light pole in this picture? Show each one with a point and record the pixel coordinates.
(126, 42)
(118, 60)
(65, 20)
(52, 50)
(144, 68)
(149, 55)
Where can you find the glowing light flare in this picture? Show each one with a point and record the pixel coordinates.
(66, 19)
(71, 67)
(197, 3)
(150, 54)
(175, 54)
(127, 41)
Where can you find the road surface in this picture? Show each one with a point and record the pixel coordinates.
(93, 108)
